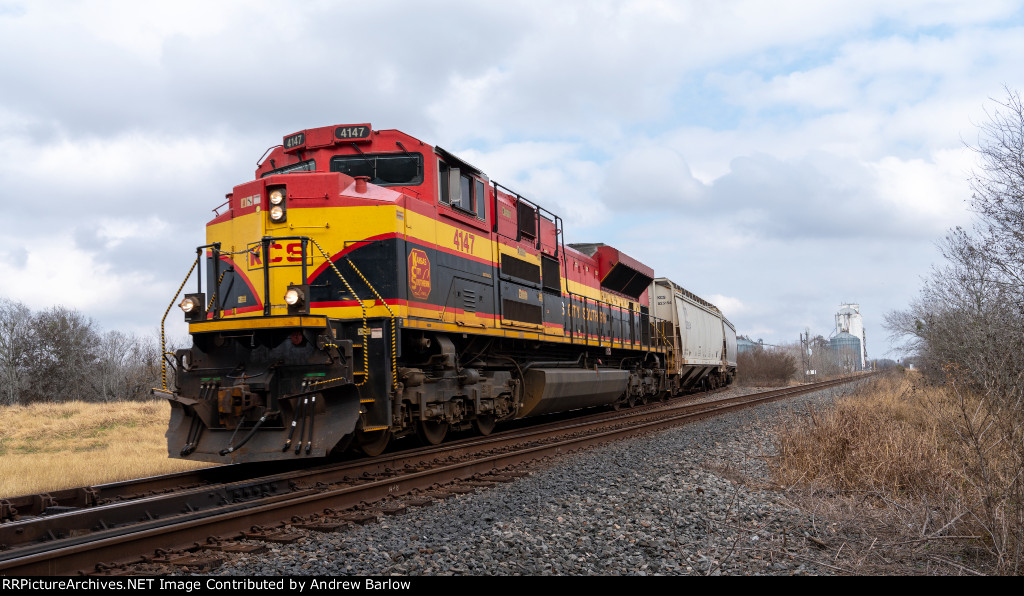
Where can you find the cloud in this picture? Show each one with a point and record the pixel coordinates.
(767, 153)
(552, 174)
(729, 304)
(826, 196)
(650, 177)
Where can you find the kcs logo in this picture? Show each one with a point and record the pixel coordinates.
(419, 274)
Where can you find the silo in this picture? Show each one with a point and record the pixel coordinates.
(847, 350)
(849, 321)
(744, 345)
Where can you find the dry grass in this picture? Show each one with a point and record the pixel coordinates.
(891, 465)
(45, 447)
(892, 437)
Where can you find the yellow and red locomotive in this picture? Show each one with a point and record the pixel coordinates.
(367, 286)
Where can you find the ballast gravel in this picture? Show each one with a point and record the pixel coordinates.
(693, 500)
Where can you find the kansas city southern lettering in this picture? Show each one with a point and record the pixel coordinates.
(588, 314)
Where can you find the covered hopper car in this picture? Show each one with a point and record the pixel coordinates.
(367, 286)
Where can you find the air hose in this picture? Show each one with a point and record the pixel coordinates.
(252, 432)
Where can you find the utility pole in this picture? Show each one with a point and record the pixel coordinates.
(805, 340)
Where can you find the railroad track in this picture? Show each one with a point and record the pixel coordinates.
(210, 510)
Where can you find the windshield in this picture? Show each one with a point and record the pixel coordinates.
(383, 169)
(303, 166)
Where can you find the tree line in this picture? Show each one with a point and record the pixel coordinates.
(807, 360)
(966, 330)
(59, 354)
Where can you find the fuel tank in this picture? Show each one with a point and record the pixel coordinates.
(548, 390)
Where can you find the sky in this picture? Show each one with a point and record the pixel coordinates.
(778, 158)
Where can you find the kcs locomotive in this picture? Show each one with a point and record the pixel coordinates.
(367, 286)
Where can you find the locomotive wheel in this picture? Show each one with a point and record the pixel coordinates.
(431, 433)
(375, 442)
(484, 424)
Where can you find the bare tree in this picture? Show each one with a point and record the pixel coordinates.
(127, 366)
(967, 329)
(63, 356)
(59, 354)
(998, 195)
(16, 342)
(824, 360)
(117, 358)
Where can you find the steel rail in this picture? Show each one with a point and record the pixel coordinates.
(81, 553)
(102, 494)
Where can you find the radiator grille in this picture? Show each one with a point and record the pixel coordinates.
(520, 311)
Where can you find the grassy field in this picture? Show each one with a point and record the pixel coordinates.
(46, 447)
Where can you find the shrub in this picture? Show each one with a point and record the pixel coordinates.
(765, 367)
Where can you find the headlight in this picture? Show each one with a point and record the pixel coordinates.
(293, 296)
(194, 307)
(276, 197)
(189, 304)
(276, 213)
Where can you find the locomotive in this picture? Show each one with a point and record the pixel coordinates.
(366, 286)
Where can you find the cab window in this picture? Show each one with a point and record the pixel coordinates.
(462, 191)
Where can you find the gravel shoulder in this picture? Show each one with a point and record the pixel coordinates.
(694, 500)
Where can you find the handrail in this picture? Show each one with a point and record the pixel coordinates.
(265, 243)
(652, 322)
